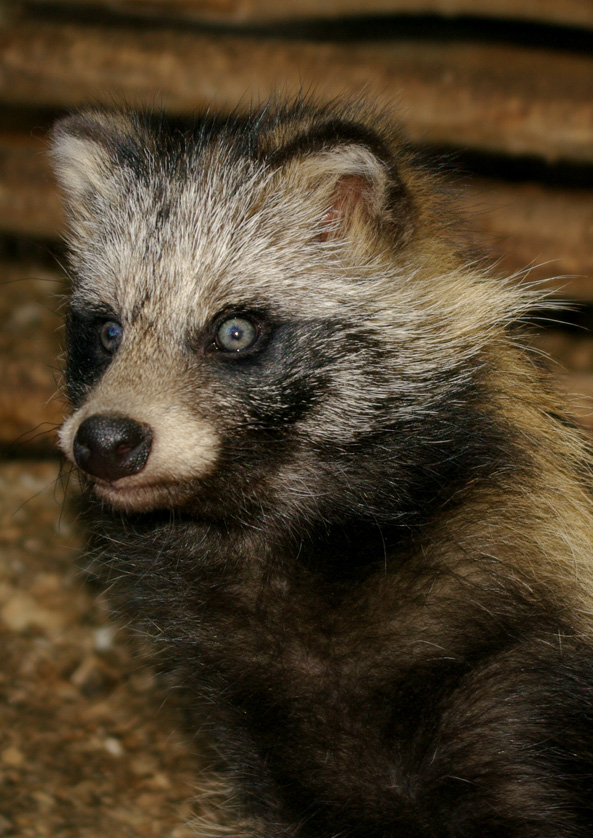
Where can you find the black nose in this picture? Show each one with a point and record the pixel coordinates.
(110, 447)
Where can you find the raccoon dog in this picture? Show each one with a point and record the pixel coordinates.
(322, 469)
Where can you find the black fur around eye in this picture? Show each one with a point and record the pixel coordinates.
(236, 334)
(94, 336)
(111, 336)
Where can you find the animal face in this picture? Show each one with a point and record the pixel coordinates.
(258, 313)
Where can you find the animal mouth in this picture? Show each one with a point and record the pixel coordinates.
(134, 495)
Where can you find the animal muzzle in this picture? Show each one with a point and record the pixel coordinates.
(109, 446)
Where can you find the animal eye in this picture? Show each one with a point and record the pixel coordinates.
(111, 335)
(236, 334)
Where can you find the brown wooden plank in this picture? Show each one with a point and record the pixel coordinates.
(571, 362)
(549, 230)
(29, 201)
(501, 98)
(30, 338)
(578, 388)
(565, 12)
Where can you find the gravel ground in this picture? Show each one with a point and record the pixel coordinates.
(92, 741)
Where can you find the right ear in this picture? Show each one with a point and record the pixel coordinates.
(86, 149)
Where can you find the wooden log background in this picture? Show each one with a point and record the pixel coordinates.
(498, 93)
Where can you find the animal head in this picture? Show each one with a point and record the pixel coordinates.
(263, 309)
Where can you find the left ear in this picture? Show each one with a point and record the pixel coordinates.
(358, 195)
(354, 180)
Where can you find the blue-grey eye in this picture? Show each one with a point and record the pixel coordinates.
(236, 334)
(111, 335)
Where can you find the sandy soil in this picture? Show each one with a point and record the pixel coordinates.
(92, 740)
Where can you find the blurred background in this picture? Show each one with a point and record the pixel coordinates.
(496, 94)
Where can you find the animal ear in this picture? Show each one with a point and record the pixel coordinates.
(85, 149)
(356, 185)
(359, 185)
